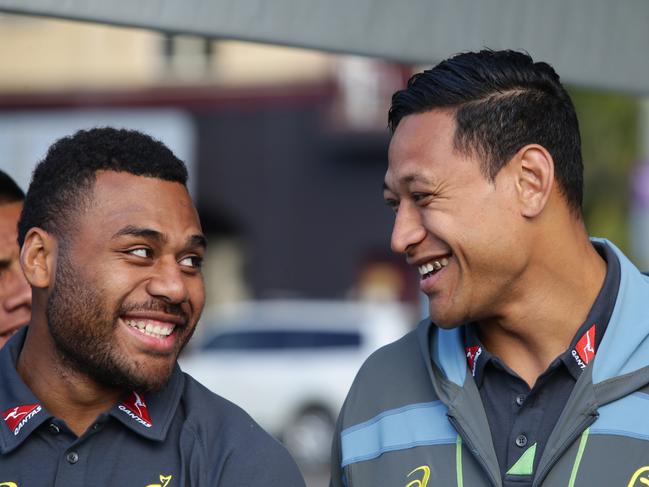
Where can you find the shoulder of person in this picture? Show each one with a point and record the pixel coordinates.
(227, 439)
(210, 414)
(394, 360)
(394, 376)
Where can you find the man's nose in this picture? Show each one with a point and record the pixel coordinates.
(168, 282)
(408, 230)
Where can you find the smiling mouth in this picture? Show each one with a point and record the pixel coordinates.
(157, 330)
(432, 267)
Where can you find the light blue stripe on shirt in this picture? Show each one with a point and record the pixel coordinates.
(397, 429)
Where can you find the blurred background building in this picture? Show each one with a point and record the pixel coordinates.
(286, 149)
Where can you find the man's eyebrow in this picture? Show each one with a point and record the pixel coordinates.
(415, 178)
(409, 179)
(134, 231)
(197, 241)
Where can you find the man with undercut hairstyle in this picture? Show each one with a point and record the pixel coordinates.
(90, 391)
(15, 293)
(533, 367)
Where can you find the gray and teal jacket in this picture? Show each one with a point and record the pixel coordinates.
(414, 417)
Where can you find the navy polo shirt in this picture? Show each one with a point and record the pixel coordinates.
(521, 419)
(183, 435)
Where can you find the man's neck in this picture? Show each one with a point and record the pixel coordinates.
(66, 393)
(557, 294)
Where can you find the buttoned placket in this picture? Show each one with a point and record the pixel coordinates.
(73, 457)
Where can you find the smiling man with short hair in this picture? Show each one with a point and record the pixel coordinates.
(90, 391)
(533, 367)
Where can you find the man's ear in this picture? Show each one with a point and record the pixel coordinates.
(534, 179)
(38, 257)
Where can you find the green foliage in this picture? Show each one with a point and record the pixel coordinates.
(609, 131)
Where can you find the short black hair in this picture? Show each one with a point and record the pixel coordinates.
(502, 101)
(62, 182)
(10, 192)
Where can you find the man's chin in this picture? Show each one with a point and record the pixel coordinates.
(152, 381)
(446, 321)
(135, 377)
(155, 385)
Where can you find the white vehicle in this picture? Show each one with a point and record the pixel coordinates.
(290, 364)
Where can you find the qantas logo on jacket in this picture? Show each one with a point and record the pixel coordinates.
(584, 351)
(135, 407)
(19, 416)
(472, 355)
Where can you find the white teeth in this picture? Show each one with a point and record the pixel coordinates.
(432, 266)
(149, 329)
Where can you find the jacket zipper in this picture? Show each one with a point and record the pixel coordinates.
(473, 450)
(576, 432)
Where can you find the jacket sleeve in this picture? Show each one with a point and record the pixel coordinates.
(338, 478)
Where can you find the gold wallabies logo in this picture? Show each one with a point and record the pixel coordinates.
(421, 482)
(164, 481)
(640, 477)
(8, 484)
